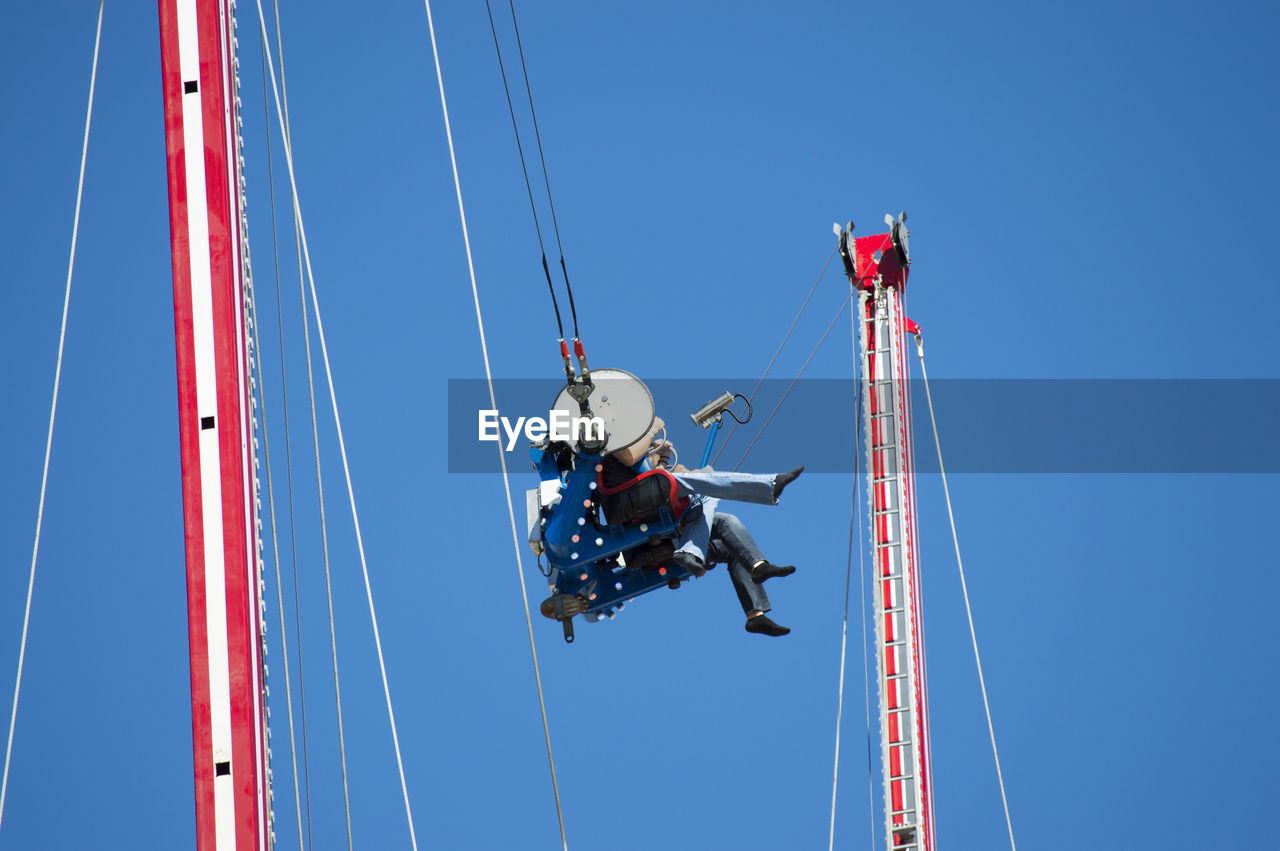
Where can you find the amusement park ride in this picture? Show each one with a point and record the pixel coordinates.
(606, 546)
(603, 545)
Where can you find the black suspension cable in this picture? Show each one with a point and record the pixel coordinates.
(529, 186)
(545, 178)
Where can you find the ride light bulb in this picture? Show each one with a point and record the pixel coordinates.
(592, 486)
(644, 527)
(574, 539)
(583, 577)
(617, 586)
(599, 542)
(573, 555)
(582, 521)
(599, 468)
(662, 571)
(591, 597)
(586, 503)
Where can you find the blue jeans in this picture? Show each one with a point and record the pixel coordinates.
(732, 543)
(715, 537)
(742, 487)
(707, 487)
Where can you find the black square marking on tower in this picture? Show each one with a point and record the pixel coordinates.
(206, 423)
(222, 769)
(190, 87)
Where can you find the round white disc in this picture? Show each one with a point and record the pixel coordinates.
(621, 400)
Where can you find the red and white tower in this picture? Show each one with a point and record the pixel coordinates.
(216, 424)
(877, 267)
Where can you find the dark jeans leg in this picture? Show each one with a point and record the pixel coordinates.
(732, 543)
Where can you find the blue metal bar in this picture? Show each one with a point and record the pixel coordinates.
(594, 542)
(711, 439)
(586, 567)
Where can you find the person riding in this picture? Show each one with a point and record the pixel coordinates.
(713, 536)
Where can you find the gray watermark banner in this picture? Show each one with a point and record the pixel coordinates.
(985, 425)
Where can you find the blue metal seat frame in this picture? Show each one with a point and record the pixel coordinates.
(588, 567)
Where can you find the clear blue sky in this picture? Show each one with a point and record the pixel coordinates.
(1093, 193)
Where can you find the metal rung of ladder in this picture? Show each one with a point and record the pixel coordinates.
(899, 744)
(877, 480)
(902, 777)
(884, 511)
(898, 711)
(899, 643)
(876, 447)
(882, 415)
(896, 677)
(902, 813)
(896, 611)
(885, 544)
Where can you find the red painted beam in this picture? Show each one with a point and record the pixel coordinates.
(215, 427)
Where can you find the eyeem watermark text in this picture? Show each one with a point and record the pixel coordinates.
(559, 425)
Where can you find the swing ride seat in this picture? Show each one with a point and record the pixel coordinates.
(642, 499)
(639, 499)
(604, 545)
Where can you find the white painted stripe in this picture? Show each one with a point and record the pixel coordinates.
(206, 405)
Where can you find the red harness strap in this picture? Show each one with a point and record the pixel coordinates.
(677, 503)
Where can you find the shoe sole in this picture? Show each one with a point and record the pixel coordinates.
(573, 605)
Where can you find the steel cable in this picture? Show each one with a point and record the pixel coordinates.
(790, 386)
(297, 243)
(525, 169)
(884, 245)
(53, 410)
(502, 461)
(337, 421)
(315, 439)
(271, 497)
(546, 179)
(785, 337)
(844, 622)
(977, 658)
